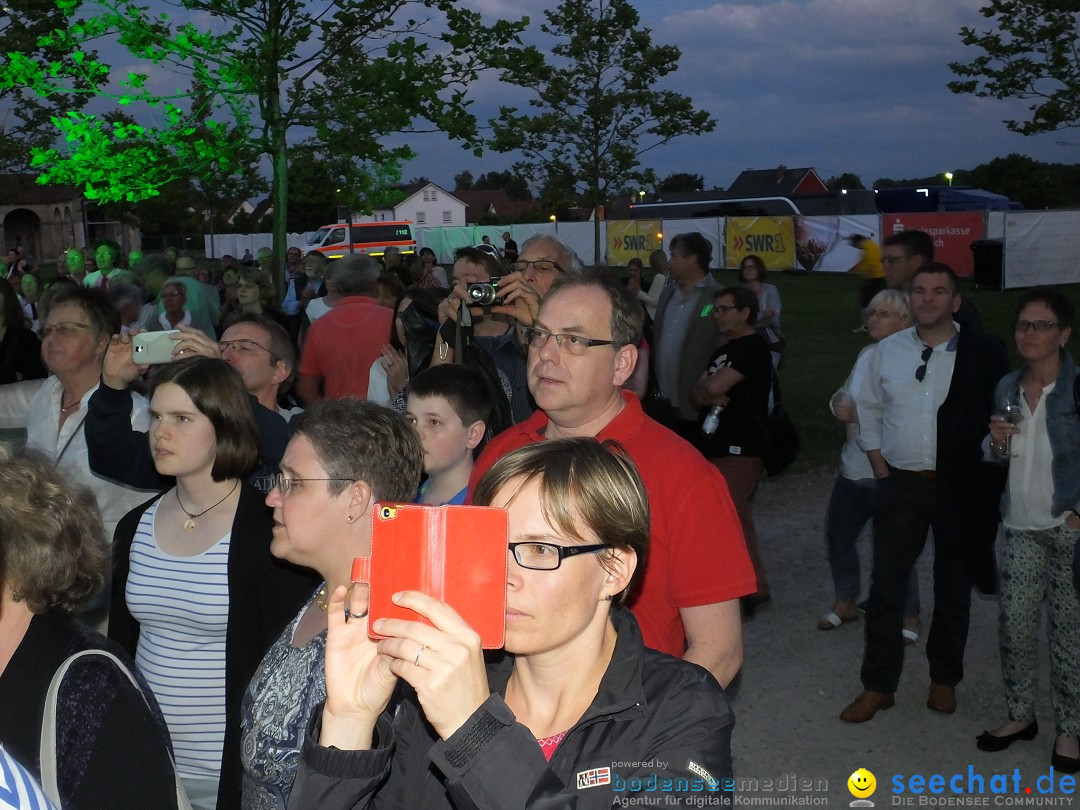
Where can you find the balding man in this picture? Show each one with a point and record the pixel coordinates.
(581, 350)
(343, 343)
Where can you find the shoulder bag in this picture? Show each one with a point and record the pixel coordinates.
(47, 751)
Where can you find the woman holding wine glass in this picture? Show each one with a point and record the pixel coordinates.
(1041, 526)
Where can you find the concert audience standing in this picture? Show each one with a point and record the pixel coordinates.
(752, 273)
(923, 417)
(20, 349)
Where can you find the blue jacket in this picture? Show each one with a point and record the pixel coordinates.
(1063, 426)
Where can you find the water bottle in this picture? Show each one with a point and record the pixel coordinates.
(712, 420)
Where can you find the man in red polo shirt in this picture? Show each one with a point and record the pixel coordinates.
(342, 344)
(582, 348)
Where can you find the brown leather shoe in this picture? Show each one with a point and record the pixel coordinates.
(942, 698)
(866, 705)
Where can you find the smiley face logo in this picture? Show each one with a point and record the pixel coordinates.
(862, 783)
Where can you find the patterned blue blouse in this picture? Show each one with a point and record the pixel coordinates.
(288, 686)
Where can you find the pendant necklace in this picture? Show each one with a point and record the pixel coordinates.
(189, 524)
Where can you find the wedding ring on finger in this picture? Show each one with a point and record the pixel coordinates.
(416, 661)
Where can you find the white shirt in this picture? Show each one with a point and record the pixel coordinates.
(35, 405)
(1030, 494)
(898, 412)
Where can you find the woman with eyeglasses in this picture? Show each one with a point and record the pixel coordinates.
(197, 597)
(1042, 525)
(574, 712)
(345, 455)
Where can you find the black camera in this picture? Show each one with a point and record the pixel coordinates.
(484, 293)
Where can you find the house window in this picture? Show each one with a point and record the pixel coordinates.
(421, 217)
(447, 217)
(427, 195)
(434, 195)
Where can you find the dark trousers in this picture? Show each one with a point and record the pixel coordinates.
(905, 506)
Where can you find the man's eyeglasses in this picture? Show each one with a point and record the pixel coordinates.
(571, 344)
(724, 308)
(895, 259)
(541, 265)
(920, 372)
(1038, 326)
(284, 484)
(242, 346)
(63, 329)
(548, 556)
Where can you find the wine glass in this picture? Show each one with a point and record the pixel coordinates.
(1014, 415)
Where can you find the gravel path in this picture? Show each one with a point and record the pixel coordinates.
(796, 679)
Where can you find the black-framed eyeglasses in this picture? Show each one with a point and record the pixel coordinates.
(522, 265)
(284, 483)
(549, 556)
(571, 344)
(724, 307)
(920, 372)
(1038, 326)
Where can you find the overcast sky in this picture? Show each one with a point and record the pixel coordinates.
(840, 85)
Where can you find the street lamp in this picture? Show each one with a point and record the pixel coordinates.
(641, 195)
(555, 222)
(948, 176)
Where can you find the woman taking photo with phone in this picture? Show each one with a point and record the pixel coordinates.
(574, 690)
(197, 597)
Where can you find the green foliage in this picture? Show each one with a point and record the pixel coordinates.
(1030, 53)
(596, 107)
(514, 184)
(847, 180)
(682, 181)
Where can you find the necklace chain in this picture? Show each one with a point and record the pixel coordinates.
(189, 524)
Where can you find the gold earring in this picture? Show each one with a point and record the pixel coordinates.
(349, 519)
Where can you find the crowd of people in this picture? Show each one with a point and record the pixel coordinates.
(622, 425)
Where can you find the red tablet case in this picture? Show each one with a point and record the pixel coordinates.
(456, 554)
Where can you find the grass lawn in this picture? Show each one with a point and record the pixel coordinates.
(819, 311)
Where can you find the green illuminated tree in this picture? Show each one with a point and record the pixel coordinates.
(350, 73)
(26, 120)
(597, 108)
(1030, 53)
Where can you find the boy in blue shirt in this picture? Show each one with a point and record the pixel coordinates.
(450, 406)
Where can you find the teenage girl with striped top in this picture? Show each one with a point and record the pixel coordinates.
(197, 597)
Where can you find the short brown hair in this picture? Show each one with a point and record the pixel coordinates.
(582, 482)
(627, 314)
(93, 302)
(357, 440)
(53, 549)
(217, 391)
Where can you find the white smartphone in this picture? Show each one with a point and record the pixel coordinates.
(153, 348)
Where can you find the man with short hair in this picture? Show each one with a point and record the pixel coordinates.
(510, 248)
(905, 252)
(685, 335)
(923, 414)
(203, 300)
(581, 350)
(343, 343)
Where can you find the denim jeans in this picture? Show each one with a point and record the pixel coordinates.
(851, 506)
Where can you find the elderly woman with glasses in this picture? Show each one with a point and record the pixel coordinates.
(574, 712)
(1037, 433)
(197, 597)
(345, 455)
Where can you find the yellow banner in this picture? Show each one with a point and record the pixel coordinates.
(627, 238)
(771, 238)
